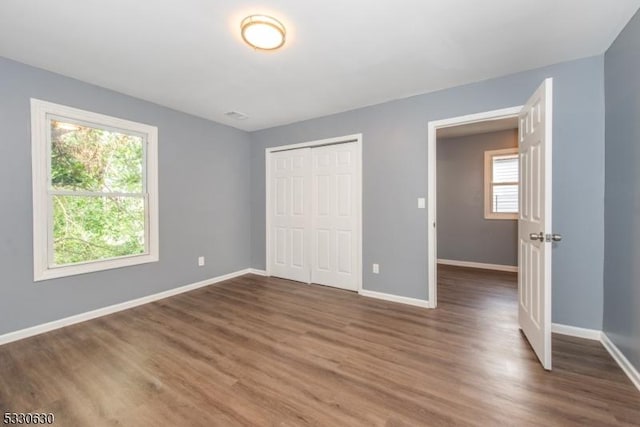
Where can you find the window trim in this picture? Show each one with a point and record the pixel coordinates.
(488, 183)
(42, 209)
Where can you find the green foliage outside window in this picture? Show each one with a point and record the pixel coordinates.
(97, 193)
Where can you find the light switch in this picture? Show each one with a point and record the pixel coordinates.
(376, 268)
(200, 261)
(422, 203)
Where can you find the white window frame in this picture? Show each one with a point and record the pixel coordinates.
(488, 183)
(41, 113)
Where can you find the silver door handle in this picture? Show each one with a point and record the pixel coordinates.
(556, 237)
(537, 236)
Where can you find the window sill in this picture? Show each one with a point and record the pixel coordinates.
(511, 217)
(90, 267)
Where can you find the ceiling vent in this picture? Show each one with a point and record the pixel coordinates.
(236, 115)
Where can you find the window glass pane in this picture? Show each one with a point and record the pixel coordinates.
(87, 228)
(91, 159)
(505, 168)
(505, 198)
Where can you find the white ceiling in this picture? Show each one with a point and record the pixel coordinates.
(340, 54)
(478, 128)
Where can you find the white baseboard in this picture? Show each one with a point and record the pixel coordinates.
(614, 351)
(257, 272)
(82, 317)
(395, 298)
(624, 363)
(484, 266)
(574, 331)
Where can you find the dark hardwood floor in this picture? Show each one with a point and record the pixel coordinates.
(262, 351)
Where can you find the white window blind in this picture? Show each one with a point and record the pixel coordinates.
(501, 184)
(505, 184)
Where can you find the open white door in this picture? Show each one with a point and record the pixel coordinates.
(534, 225)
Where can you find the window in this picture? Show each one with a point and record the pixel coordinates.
(95, 204)
(501, 184)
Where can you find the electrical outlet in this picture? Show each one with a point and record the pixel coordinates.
(200, 261)
(376, 268)
(422, 203)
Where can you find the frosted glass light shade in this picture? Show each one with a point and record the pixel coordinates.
(263, 32)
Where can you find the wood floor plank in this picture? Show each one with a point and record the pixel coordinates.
(266, 351)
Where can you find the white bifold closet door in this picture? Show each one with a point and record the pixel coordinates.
(315, 220)
(291, 214)
(334, 220)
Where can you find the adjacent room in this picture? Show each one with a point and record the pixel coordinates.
(292, 213)
(477, 217)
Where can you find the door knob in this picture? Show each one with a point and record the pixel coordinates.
(537, 236)
(556, 237)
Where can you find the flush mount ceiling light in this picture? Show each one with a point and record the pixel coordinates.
(263, 32)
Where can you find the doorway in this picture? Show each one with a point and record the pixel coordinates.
(434, 126)
(477, 193)
(535, 131)
(314, 212)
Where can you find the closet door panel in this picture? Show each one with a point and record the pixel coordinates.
(334, 220)
(291, 214)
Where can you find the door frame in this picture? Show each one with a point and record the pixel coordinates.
(355, 138)
(432, 189)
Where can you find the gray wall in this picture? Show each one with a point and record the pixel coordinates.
(622, 197)
(395, 174)
(204, 202)
(463, 232)
(212, 200)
